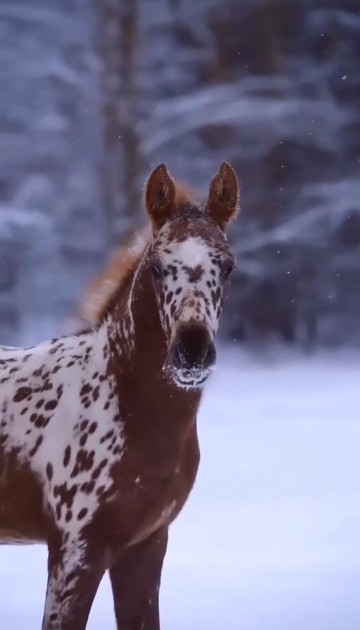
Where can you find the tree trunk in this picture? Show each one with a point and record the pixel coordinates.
(122, 161)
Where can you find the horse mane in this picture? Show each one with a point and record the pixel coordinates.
(104, 290)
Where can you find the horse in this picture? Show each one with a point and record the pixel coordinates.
(98, 440)
(99, 290)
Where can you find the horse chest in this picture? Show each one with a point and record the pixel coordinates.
(167, 498)
(149, 500)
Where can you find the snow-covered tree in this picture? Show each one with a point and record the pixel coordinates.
(96, 93)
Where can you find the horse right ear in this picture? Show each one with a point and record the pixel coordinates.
(223, 201)
(160, 196)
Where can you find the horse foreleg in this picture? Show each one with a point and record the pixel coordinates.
(74, 574)
(135, 581)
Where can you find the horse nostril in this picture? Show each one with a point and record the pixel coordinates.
(193, 349)
(210, 356)
(188, 358)
(177, 355)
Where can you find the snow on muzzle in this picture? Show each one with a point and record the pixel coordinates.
(192, 354)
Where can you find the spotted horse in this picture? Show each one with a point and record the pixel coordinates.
(98, 446)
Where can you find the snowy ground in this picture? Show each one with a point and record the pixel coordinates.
(270, 539)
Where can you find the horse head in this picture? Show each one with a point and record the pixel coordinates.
(190, 263)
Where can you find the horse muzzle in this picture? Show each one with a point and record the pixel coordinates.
(192, 355)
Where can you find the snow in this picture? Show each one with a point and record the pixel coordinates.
(270, 536)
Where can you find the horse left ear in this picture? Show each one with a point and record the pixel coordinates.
(223, 202)
(160, 196)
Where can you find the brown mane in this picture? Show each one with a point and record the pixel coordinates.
(102, 291)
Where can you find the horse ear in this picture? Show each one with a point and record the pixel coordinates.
(223, 202)
(160, 196)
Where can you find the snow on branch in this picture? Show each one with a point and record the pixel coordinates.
(331, 204)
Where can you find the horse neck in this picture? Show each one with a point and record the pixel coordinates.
(150, 403)
(134, 323)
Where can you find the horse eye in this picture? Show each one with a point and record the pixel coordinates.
(156, 270)
(227, 267)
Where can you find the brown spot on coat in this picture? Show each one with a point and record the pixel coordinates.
(22, 393)
(49, 471)
(67, 455)
(36, 446)
(50, 405)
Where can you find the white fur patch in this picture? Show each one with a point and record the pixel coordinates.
(57, 425)
(193, 299)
